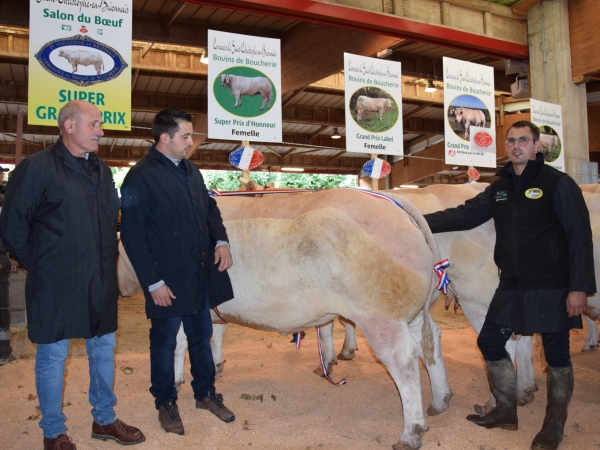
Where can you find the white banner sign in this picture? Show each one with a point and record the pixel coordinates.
(80, 51)
(373, 105)
(548, 117)
(470, 129)
(244, 87)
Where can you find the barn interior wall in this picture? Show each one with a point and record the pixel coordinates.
(593, 128)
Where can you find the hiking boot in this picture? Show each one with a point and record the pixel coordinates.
(119, 431)
(560, 390)
(214, 403)
(503, 381)
(60, 442)
(168, 415)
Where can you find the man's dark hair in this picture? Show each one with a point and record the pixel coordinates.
(167, 121)
(526, 124)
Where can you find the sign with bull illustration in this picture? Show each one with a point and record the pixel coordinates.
(373, 105)
(548, 117)
(80, 51)
(244, 87)
(469, 112)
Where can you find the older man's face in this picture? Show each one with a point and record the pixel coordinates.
(84, 132)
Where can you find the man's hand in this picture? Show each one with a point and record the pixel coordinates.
(162, 296)
(223, 258)
(576, 303)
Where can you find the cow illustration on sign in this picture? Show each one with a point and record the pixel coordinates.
(84, 58)
(551, 144)
(466, 111)
(245, 84)
(373, 109)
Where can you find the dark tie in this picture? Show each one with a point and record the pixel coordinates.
(91, 169)
(181, 167)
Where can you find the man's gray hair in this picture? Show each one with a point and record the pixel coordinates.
(71, 110)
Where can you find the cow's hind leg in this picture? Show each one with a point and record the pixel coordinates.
(440, 390)
(526, 385)
(393, 344)
(350, 345)
(591, 338)
(216, 345)
(264, 100)
(329, 358)
(180, 351)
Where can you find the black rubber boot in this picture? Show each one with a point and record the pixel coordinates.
(503, 381)
(560, 391)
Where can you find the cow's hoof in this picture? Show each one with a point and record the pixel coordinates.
(526, 397)
(346, 357)
(434, 411)
(590, 348)
(219, 367)
(178, 386)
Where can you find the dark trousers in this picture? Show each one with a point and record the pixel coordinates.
(163, 339)
(493, 338)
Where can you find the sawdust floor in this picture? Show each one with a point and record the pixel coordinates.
(299, 409)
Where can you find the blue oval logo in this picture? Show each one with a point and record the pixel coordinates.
(81, 60)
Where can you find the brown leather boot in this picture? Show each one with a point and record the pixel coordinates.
(213, 402)
(503, 381)
(560, 391)
(118, 431)
(60, 442)
(168, 414)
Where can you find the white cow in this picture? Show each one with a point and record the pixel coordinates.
(83, 57)
(239, 86)
(591, 194)
(323, 256)
(376, 105)
(467, 117)
(549, 141)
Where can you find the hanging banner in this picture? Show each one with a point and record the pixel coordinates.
(244, 87)
(548, 117)
(470, 129)
(373, 105)
(80, 51)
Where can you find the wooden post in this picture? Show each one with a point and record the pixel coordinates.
(374, 181)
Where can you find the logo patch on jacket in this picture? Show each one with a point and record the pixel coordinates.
(501, 196)
(534, 193)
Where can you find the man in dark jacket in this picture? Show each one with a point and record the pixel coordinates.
(59, 220)
(545, 259)
(174, 236)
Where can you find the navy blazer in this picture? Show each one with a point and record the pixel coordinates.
(169, 231)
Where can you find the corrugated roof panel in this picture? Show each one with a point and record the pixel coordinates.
(251, 20)
(153, 84)
(204, 12)
(176, 85)
(165, 84)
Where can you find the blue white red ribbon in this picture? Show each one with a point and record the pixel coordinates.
(323, 367)
(444, 280)
(298, 339)
(216, 193)
(216, 310)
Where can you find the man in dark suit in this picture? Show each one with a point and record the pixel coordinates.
(174, 236)
(59, 220)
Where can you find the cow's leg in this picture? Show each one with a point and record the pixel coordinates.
(216, 345)
(329, 358)
(441, 393)
(591, 338)
(74, 67)
(238, 100)
(526, 385)
(264, 100)
(350, 345)
(180, 352)
(393, 344)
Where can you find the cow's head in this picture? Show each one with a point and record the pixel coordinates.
(388, 103)
(62, 53)
(226, 79)
(458, 114)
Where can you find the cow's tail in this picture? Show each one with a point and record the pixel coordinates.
(427, 341)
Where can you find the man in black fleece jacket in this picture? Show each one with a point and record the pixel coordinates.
(545, 259)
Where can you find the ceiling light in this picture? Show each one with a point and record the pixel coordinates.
(430, 86)
(131, 163)
(292, 169)
(204, 57)
(409, 186)
(336, 134)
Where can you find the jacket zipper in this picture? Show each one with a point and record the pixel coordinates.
(514, 236)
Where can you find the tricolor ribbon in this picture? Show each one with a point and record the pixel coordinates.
(298, 339)
(325, 371)
(216, 310)
(444, 280)
(216, 193)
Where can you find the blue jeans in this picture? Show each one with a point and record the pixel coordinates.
(50, 377)
(163, 340)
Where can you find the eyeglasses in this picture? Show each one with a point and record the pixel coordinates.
(523, 141)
